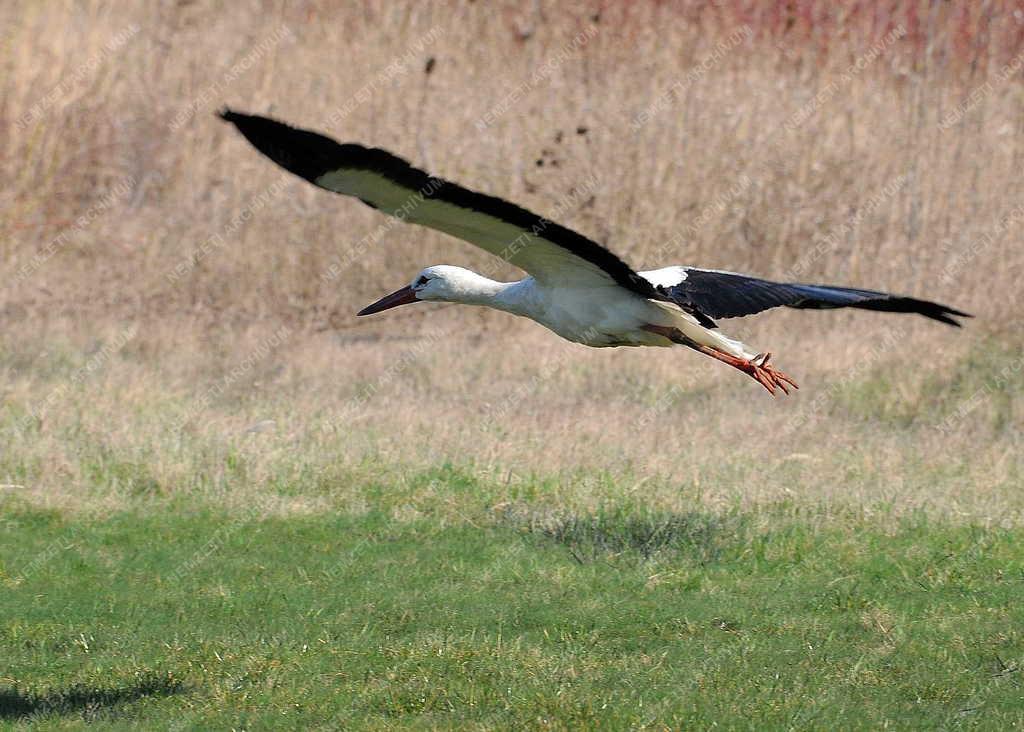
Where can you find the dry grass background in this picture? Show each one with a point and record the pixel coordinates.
(798, 151)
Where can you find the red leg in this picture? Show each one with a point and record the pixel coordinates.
(757, 368)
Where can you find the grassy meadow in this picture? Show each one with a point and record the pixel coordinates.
(228, 504)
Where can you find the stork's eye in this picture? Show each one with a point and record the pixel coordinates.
(421, 281)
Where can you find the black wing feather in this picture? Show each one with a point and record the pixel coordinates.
(312, 155)
(730, 295)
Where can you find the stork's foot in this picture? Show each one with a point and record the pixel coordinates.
(757, 368)
(768, 376)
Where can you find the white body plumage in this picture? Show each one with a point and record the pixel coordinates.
(598, 316)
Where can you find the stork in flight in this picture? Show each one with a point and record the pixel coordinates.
(576, 287)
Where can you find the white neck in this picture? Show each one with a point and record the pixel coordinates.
(471, 288)
(507, 296)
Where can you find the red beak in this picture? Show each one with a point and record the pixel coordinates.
(403, 296)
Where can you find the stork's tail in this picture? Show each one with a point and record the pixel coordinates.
(693, 333)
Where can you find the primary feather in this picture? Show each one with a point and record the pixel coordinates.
(720, 294)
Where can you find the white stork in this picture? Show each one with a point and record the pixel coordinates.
(576, 287)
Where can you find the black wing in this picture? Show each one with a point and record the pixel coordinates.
(388, 183)
(730, 295)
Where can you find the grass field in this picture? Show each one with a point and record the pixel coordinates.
(180, 551)
(177, 616)
(228, 504)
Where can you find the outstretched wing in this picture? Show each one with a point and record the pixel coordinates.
(720, 294)
(548, 251)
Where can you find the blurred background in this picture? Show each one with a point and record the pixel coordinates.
(172, 301)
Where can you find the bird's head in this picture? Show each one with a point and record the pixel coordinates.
(440, 283)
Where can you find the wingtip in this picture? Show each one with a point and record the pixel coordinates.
(936, 311)
(947, 316)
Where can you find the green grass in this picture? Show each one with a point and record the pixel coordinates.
(165, 616)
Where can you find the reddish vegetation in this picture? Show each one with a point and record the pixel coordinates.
(955, 37)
